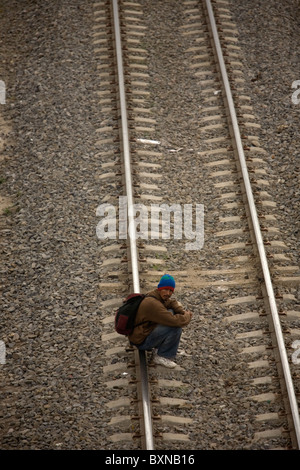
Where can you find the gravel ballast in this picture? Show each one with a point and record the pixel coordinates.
(53, 391)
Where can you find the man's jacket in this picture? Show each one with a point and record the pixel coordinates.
(153, 310)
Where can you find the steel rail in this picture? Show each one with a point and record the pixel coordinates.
(257, 231)
(148, 433)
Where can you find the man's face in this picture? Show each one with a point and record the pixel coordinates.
(165, 293)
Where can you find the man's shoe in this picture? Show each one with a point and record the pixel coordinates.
(163, 361)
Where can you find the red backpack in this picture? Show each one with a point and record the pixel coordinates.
(125, 315)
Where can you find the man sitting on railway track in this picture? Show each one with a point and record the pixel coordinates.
(160, 320)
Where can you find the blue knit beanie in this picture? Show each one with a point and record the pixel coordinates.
(166, 282)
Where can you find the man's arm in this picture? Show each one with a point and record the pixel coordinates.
(157, 312)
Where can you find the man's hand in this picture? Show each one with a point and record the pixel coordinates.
(189, 313)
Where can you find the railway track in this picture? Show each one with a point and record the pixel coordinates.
(245, 278)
